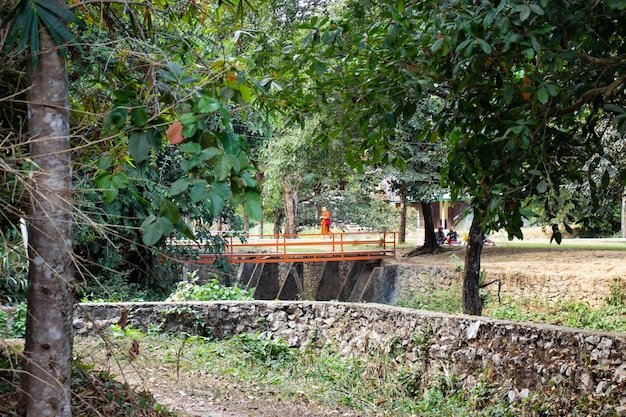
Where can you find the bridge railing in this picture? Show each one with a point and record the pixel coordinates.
(303, 247)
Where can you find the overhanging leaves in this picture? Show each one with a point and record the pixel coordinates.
(24, 26)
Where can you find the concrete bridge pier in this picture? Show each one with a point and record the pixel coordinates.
(265, 282)
(361, 280)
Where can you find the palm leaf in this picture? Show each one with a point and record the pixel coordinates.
(34, 39)
(56, 9)
(54, 24)
(24, 25)
(23, 22)
(16, 20)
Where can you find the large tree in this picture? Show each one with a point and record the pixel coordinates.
(46, 380)
(525, 85)
(139, 123)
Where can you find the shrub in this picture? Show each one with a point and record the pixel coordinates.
(191, 290)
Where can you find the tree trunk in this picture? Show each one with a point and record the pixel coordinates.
(46, 378)
(624, 215)
(246, 225)
(290, 202)
(278, 219)
(260, 176)
(472, 303)
(402, 225)
(430, 240)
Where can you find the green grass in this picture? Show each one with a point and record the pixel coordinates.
(609, 317)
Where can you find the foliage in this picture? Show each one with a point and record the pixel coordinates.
(24, 21)
(94, 392)
(192, 290)
(448, 301)
(13, 268)
(117, 287)
(609, 317)
(264, 350)
(528, 91)
(373, 383)
(357, 201)
(563, 313)
(13, 322)
(617, 296)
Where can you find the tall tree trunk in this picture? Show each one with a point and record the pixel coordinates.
(46, 380)
(261, 223)
(278, 219)
(430, 240)
(260, 176)
(402, 225)
(290, 202)
(246, 225)
(472, 303)
(624, 215)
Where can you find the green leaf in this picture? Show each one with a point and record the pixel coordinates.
(179, 186)
(169, 210)
(209, 153)
(249, 180)
(57, 28)
(524, 12)
(139, 146)
(110, 194)
(484, 45)
(222, 189)
(542, 187)
(613, 108)
(190, 147)
(184, 228)
(606, 180)
(122, 97)
(542, 95)
(57, 9)
(437, 45)
(319, 68)
(528, 214)
(120, 180)
(199, 191)
(462, 46)
(151, 231)
(246, 93)
(222, 168)
(536, 9)
(103, 181)
(234, 162)
(253, 206)
(557, 237)
(118, 116)
(209, 105)
(535, 43)
(105, 162)
(139, 116)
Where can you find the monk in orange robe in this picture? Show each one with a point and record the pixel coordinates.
(325, 221)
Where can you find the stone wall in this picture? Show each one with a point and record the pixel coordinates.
(520, 358)
(413, 279)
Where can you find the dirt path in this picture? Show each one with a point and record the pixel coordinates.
(568, 261)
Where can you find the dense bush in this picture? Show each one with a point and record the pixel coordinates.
(192, 290)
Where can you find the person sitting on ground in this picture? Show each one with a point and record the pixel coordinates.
(440, 236)
(452, 238)
(487, 241)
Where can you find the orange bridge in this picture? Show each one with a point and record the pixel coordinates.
(242, 248)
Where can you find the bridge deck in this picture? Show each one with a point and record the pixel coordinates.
(293, 248)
